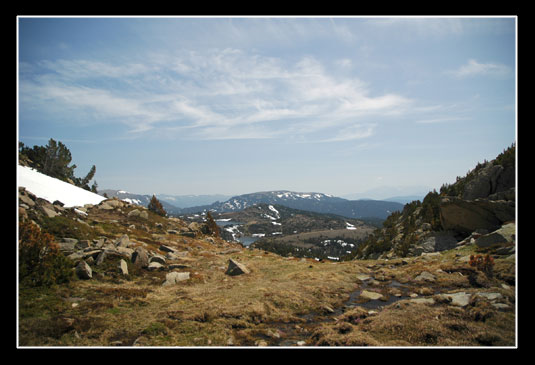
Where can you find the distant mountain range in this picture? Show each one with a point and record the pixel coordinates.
(314, 202)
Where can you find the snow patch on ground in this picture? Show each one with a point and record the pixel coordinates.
(52, 189)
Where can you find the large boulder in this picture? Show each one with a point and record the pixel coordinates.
(505, 234)
(436, 241)
(466, 216)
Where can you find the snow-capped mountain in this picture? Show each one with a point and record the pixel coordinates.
(314, 202)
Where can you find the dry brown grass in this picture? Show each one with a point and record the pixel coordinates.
(282, 300)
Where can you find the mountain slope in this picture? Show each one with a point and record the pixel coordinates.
(139, 199)
(314, 202)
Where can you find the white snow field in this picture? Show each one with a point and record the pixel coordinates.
(52, 189)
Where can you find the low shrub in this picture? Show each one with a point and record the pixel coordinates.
(40, 261)
(483, 264)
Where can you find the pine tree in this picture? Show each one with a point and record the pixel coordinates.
(156, 207)
(212, 225)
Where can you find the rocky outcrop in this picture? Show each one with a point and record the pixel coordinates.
(491, 179)
(466, 216)
(434, 242)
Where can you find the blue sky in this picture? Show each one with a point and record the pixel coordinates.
(234, 105)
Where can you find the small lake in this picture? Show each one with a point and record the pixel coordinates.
(244, 240)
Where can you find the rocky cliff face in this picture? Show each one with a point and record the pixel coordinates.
(478, 204)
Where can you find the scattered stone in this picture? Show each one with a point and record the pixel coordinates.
(363, 277)
(49, 212)
(370, 295)
(133, 213)
(167, 249)
(105, 206)
(423, 300)
(460, 299)
(153, 266)
(425, 276)
(140, 257)
(235, 268)
(175, 277)
(158, 258)
(83, 270)
(500, 306)
(123, 267)
(490, 296)
(123, 241)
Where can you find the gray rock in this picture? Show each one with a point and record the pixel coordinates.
(26, 200)
(123, 267)
(133, 213)
(83, 270)
(490, 296)
(465, 216)
(370, 295)
(425, 276)
(144, 214)
(484, 183)
(83, 244)
(167, 249)
(49, 212)
(235, 268)
(363, 277)
(437, 241)
(101, 257)
(503, 235)
(153, 266)
(157, 258)
(123, 241)
(105, 206)
(67, 244)
(423, 300)
(140, 257)
(115, 203)
(175, 277)
(460, 299)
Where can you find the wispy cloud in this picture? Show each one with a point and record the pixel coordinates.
(475, 68)
(441, 120)
(216, 94)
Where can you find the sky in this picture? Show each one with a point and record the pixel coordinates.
(235, 105)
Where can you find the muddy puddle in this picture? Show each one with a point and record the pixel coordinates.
(297, 332)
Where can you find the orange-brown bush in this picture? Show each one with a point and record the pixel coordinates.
(484, 264)
(40, 261)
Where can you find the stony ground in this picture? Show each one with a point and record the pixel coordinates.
(436, 301)
(432, 300)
